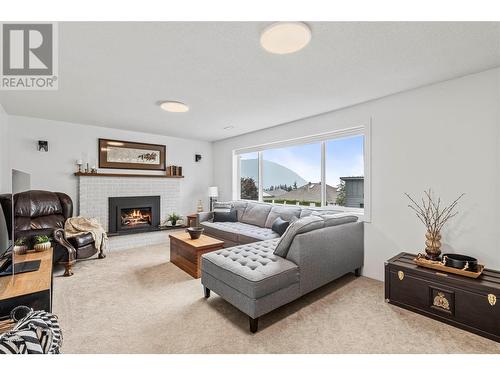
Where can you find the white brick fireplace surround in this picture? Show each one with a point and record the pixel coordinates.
(93, 194)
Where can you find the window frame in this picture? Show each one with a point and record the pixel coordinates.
(322, 139)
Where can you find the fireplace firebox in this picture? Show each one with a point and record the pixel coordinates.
(133, 214)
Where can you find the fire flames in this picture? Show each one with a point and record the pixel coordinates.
(136, 217)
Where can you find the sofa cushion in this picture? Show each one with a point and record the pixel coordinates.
(280, 225)
(338, 219)
(222, 216)
(238, 232)
(36, 203)
(50, 221)
(220, 231)
(285, 212)
(306, 224)
(240, 206)
(81, 240)
(251, 269)
(317, 211)
(256, 214)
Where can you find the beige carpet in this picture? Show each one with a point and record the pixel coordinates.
(136, 301)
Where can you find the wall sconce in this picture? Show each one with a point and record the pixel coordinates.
(43, 146)
(197, 157)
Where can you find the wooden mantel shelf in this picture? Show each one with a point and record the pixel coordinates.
(84, 174)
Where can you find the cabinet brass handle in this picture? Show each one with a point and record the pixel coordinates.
(492, 299)
(401, 275)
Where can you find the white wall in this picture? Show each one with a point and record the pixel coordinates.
(4, 154)
(68, 142)
(444, 136)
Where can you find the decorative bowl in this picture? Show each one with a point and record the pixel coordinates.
(463, 262)
(20, 250)
(195, 232)
(42, 246)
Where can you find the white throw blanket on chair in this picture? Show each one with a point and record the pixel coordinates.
(79, 225)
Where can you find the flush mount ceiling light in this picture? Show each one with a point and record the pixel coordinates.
(228, 127)
(171, 106)
(285, 37)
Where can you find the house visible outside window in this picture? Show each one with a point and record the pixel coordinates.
(345, 169)
(324, 170)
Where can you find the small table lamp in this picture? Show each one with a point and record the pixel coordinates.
(213, 193)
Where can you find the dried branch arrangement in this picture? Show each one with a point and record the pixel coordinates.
(430, 212)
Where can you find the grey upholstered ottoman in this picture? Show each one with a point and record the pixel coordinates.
(251, 278)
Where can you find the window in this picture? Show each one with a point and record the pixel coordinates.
(344, 171)
(324, 170)
(249, 176)
(292, 175)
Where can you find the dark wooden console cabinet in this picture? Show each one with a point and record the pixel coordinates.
(470, 304)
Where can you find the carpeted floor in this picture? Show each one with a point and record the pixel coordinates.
(136, 301)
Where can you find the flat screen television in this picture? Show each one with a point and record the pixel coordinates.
(9, 265)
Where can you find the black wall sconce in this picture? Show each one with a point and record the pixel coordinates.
(197, 157)
(43, 146)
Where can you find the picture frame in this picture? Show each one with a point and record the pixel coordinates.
(117, 154)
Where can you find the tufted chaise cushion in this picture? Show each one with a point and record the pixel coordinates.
(251, 269)
(238, 232)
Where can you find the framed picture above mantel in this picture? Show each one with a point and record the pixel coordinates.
(115, 154)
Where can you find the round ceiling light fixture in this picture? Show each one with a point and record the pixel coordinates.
(171, 106)
(285, 37)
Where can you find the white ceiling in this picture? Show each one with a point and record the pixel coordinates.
(113, 74)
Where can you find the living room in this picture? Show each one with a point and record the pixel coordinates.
(252, 187)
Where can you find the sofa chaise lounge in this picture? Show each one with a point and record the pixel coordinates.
(260, 276)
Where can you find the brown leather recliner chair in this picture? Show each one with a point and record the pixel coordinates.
(38, 212)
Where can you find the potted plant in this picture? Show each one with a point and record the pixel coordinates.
(434, 215)
(172, 218)
(42, 243)
(20, 246)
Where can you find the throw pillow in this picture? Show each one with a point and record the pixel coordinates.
(230, 216)
(222, 206)
(279, 226)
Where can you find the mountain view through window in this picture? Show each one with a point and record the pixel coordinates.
(292, 175)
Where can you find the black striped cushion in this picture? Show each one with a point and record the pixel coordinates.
(37, 333)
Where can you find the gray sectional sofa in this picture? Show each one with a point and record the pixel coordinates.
(261, 271)
(254, 221)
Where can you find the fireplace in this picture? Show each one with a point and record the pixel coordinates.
(133, 214)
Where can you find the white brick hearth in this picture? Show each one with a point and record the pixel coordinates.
(93, 194)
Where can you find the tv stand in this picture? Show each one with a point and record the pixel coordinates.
(19, 267)
(32, 289)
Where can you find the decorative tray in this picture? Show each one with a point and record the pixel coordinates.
(420, 260)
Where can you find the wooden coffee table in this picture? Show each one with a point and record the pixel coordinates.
(186, 253)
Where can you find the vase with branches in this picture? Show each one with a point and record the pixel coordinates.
(434, 216)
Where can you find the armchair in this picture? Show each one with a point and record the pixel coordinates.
(38, 212)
